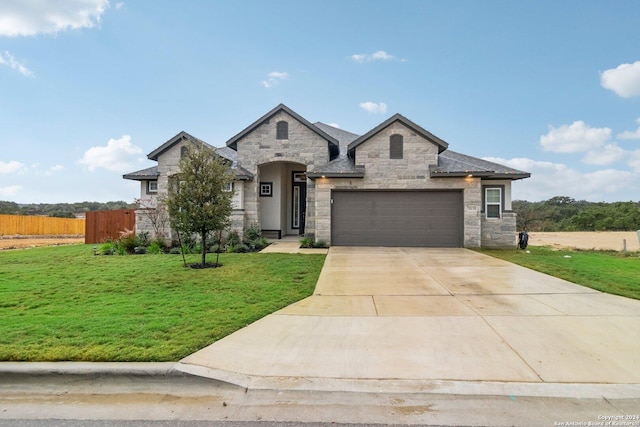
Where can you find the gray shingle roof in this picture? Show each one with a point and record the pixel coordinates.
(341, 166)
(453, 164)
(343, 137)
(143, 175)
(170, 143)
(450, 163)
(232, 155)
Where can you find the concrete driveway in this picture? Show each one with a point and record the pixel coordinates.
(421, 318)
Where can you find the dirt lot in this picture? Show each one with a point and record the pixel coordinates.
(21, 242)
(608, 240)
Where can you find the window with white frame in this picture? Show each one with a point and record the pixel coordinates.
(228, 187)
(493, 202)
(266, 189)
(152, 186)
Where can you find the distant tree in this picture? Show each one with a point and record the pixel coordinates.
(9, 208)
(197, 201)
(61, 214)
(528, 215)
(563, 213)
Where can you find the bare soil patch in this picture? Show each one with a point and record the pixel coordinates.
(22, 242)
(600, 240)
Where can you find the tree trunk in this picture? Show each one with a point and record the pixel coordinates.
(204, 248)
(219, 248)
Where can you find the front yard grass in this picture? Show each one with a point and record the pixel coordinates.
(609, 272)
(63, 303)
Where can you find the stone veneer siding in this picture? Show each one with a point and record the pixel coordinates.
(259, 147)
(409, 173)
(499, 233)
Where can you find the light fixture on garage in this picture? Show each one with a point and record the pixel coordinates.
(470, 175)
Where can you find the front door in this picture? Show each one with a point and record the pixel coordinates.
(299, 201)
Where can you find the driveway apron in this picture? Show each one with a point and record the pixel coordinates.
(419, 314)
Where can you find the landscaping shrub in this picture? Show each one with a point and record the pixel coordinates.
(320, 244)
(107, 248)
(128, 243)
(253, 233)
(306, 242)
(239, 248)
(233, 239)
(155, 248)
(258, 244)
(309, 242)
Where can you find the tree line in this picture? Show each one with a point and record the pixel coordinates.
(60, 210)
(563, 213)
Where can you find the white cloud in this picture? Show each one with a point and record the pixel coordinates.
(52, 170)
(606, 155)
(119, 5)
(379, 55)
(624, 80)
(373, 107)
(633, 160)
(11, 167)
(8, 59)
(10, 191)
(574, 138)
(118, 155)
(628, 134)
(335, 125)
(274, 77)
(550, 179)
(32, 17)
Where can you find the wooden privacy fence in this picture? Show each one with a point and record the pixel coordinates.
(26, 225)
(108, 225)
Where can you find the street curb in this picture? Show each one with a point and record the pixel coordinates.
(164, 369)
(181, 371)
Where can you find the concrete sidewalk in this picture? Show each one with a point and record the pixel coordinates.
(439, 320)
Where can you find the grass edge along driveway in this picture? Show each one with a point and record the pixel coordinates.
(605, 271)
(65, 304)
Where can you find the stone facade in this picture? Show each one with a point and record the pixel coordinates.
(499, 233)
(260, 147)
(409, 173)
(265, 157)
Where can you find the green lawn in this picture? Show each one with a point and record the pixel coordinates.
(608, 272)
(63, 303)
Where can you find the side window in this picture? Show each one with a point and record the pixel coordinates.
(493, 202)
(282, 130)
(228, 188)
(183, 151)
(152, 187)
(395, 146)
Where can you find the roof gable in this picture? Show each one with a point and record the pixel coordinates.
(173, 141)
(232, 143)
(442, 145)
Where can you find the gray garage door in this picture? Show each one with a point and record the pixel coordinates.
(397, 218)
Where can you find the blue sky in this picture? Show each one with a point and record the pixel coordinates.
(89, 87)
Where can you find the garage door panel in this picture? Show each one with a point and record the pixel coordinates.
(397, 218)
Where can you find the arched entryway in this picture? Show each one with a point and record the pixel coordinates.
(282, 196)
